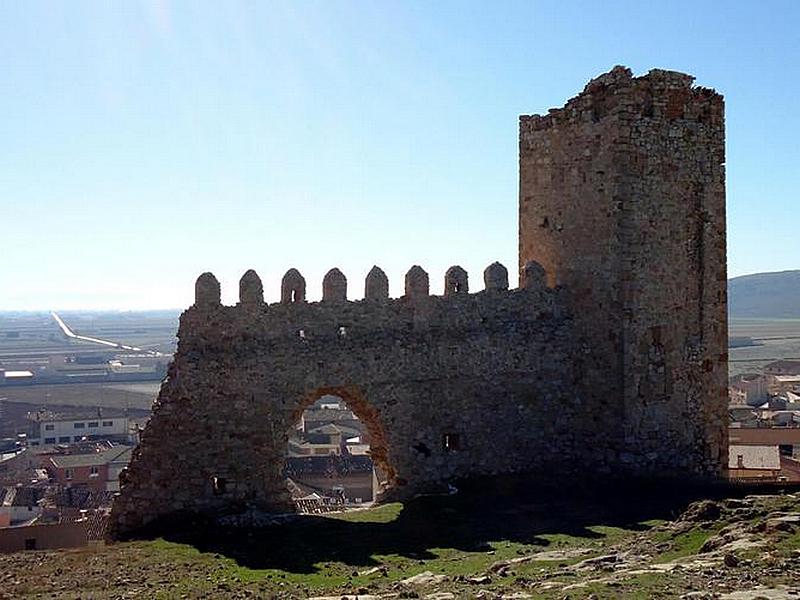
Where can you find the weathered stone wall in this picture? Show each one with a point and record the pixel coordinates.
(622, 201)
(494, 368)
(610, 359)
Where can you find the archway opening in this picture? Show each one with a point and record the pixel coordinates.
(336, 456)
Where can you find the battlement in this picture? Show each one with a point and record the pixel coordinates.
(376, 286)
(417, 312)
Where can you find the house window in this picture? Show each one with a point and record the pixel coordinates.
(79, 425)
(92, 424)
(30, 544)
(49, 440)
(108, 423)
(67, 474)
(77, 438)
(94, 472)
(451, 442)
(49, 427)
(63, 439)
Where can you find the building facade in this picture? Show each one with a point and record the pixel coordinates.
(53, 430)
(97, 471)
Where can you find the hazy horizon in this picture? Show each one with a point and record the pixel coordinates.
(274, 296)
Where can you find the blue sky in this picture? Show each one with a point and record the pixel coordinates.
(146, 142)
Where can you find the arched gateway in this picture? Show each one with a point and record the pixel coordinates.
(365, 412)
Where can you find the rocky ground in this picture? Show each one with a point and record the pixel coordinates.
(502, 544)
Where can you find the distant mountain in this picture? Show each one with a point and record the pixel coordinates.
(765, 295)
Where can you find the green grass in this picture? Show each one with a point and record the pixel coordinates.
(645, 586)
(337, 575)
(454, 536)
(685, 544)
(789, 545)
(462, 535)
(379, 514)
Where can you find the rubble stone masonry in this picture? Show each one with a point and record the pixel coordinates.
(608, 360)
(622, 201)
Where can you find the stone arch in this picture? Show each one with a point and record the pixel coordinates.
(356, 401)
(293, 287)
(456, 281)
(251, 290)
(376, 285)
(207, 291)
(334, 286)
(417, 283)
(495, 277)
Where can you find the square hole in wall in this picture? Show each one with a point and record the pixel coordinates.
(451, 442)
(219, 485)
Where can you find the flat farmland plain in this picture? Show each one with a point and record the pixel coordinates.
(27, 333)
(149, 330)
(117, 395)
(774, 338)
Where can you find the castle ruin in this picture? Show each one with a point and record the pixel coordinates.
(609, 359)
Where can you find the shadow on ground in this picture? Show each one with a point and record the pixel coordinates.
(496, 510)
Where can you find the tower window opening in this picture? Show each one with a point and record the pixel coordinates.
(451, 442)
(219, 485)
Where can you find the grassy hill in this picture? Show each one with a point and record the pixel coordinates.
(506, 541)
(765, 295)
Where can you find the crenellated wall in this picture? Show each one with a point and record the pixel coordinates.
(609, 360)
(493, 368)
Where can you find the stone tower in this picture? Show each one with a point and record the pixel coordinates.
(622, 201)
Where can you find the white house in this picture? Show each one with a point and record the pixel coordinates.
(49, 429)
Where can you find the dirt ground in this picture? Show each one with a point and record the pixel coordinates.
(508, 542)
